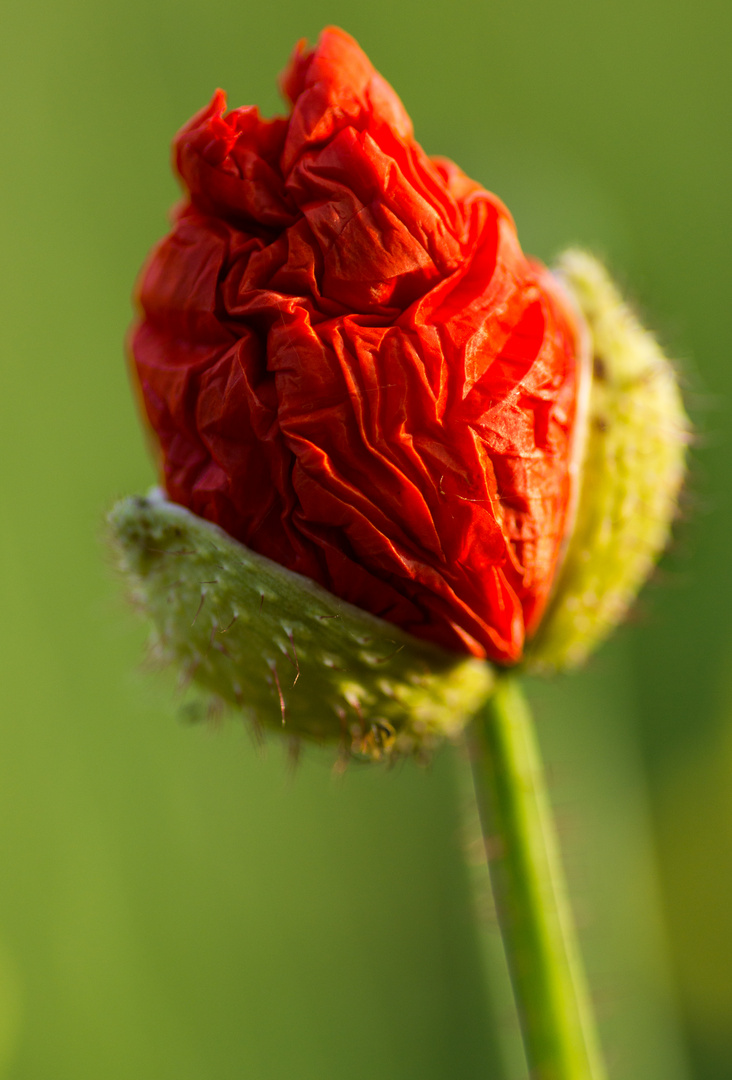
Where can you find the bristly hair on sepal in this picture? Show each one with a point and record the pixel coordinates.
(631, 473)
(280, 649)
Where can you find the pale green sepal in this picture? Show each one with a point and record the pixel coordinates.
(279, 647)
(631, 473)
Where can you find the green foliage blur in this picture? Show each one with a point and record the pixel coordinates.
(175, 905)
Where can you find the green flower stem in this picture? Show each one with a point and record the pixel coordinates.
(530, 892)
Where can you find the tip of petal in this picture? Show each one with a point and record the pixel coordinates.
(334, 85)
(336, 56)
(208, 131)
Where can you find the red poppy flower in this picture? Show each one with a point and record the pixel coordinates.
(351, 367)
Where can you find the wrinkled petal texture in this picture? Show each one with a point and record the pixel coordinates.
(351, 367)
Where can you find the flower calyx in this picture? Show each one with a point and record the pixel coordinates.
(279, 648)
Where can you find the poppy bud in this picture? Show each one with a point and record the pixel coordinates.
(349, 367)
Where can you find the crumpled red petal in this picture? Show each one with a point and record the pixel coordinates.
(350, 365)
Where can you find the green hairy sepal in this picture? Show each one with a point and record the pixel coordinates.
(281, 649)
(632, 468)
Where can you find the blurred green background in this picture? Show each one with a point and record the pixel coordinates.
(173, 904)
